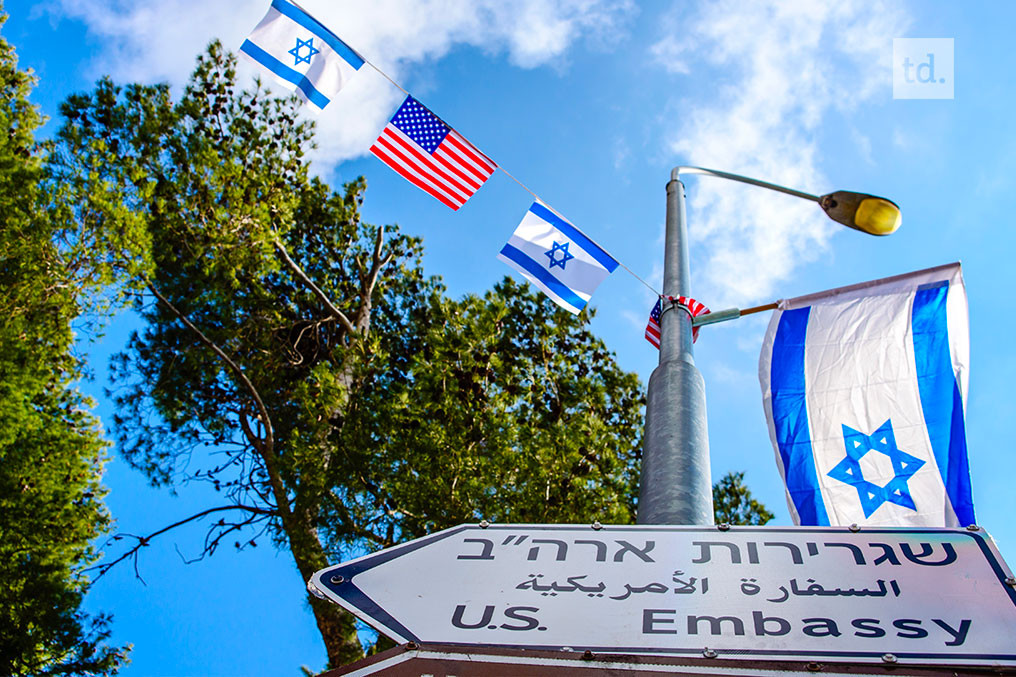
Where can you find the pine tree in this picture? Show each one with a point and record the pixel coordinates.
(734, 504)
(334, 394)
(51, 450)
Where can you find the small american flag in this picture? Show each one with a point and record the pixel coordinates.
(653, 327)
(431, 155)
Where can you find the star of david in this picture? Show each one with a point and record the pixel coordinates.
(311, 51)
(882, 441)
(565, 256)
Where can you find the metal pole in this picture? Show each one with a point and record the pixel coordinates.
(676, 172)
(675, 486)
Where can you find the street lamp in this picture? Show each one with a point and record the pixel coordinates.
(675, 485)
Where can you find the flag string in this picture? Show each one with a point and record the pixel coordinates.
(633, 274)
(512, 177)
(385, 76)
(538, 199)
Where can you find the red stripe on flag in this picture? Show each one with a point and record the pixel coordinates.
(410, 157)
(382, 154)
(428, 164)
(400, 159)
(467, 149)
(452, 173)
(474, 153)
(453, 164)
(653, 334)
(383, 150)
(694, 308)
(453, 152)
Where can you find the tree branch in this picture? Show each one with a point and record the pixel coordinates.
(369, 280)
(233, 366)
(255, 441)
(143, 541)
(267, 449)
(336, 313)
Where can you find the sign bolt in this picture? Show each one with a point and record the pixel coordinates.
(587, 655)
(484, 524)
(813, 667)
(973, 527)
(854, 528)
(596, 525)
(1011, 582)
(888, 658)
(723, 526)
(337, 579)
(411, 646)
(709, 653)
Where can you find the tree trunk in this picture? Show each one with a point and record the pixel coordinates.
(336, 625)
(338, 630)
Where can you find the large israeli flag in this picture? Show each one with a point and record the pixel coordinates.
(864, 389)
(557, 257)
(301, 54)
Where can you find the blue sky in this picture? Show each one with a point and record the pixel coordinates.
(590, 103)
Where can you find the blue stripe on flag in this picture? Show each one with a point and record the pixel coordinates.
(575, 235)
(319, 30)
(285, 72)
(790, 417)
(940, 396)
(555, 286)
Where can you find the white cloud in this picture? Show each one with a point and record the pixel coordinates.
(731, 376)
(863, 145)
(633, 319)
(751, 330)
(157, 41)
(903, 140)
(781, 67)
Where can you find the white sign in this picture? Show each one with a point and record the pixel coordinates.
(922, 595)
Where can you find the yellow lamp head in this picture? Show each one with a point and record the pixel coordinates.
(863, 212)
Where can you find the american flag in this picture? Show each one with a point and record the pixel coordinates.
(653, 327)
(431, 155)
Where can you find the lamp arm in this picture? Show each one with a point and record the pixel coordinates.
(676, 172)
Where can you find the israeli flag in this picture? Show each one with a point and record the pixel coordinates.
(301, 54)
(557, 257)
(864, 389)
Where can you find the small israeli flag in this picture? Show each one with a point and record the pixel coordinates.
(557, 257)
(864, 389)
(301, 54)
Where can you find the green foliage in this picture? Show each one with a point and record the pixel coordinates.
(503, 408)
(733, 503)
(299, 359)
(51, 452)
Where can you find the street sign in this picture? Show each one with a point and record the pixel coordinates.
(411, 660)
(803, 593)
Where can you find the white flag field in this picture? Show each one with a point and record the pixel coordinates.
(301, 54)
(557, 257)
(864, 389)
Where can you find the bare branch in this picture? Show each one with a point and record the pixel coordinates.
(233, 366)
(369, 280)
(144, 541)
(338, 314)
(267, 448)
(252, 437)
